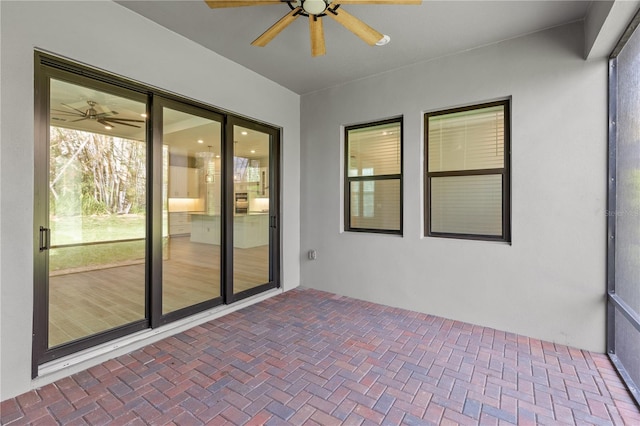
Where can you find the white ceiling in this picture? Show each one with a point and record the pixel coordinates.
(418, 33)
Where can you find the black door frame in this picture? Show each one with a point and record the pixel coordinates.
(274, 207)
(157, 317)
(47, 69)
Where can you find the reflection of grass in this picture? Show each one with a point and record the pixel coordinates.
(70, 259)
(99, 255)
(84, 229)
(88, 229)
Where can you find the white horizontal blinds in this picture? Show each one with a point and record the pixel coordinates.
(374, 150)
(375, 204)
(374, 170)
(466, 163)
(467, 204)
(467, 140)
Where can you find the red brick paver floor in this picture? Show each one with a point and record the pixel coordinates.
(309, 357)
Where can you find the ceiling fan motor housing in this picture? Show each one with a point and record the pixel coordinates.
(91, 114)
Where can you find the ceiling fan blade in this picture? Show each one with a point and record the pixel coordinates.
(356, 26)
(67, 112)
(121, 119)
(79, 119)
(379, 1)
(317, 36)
(109, 122)
(75, 109)
(218, 4)
(276, 28)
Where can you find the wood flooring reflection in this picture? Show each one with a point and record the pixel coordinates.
(83, 303)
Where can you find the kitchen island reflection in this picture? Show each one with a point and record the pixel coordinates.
(249, 230)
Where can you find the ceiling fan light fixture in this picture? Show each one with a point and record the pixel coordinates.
(383, 41)
(314, 7)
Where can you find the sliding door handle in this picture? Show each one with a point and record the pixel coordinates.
(45, 238)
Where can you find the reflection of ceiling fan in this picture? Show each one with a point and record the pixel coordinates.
(104, 118)
(315, 10)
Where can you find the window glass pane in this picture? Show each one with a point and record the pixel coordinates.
(380, 204)
(191, 209)
(251, 189)
(468, 140)
(355, 199)
(467, 204)
(97, 211)
(374, 150)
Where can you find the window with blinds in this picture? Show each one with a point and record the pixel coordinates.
(373, 177)
(467, 176)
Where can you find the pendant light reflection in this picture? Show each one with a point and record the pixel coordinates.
(209, 164)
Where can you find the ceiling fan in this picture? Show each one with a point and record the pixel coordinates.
(315, 10)
(104, 118)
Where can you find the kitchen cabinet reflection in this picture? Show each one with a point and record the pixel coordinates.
(249, 230)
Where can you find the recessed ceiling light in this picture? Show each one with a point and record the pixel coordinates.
(143, 115)
(108, 127)
(217, 156)
(244, 133)
(253, 151)
(384, 40)
(200, 141)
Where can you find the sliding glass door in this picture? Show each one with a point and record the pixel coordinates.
(97, 211)
(148, 208)
(191, 179)
(252, 206)
(91, 232)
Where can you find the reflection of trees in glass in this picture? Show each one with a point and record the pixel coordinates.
(95, 174)
(246, 170)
